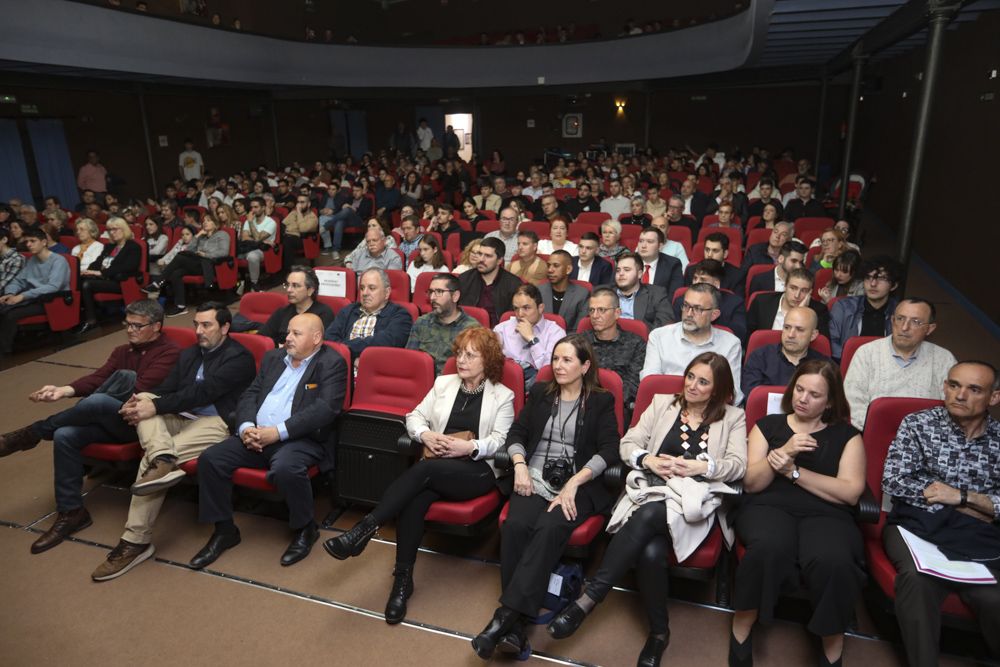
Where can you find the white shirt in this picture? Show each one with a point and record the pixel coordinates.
(191, 163)
(779, 317)
(413, 272)
(583, 272)
(534, 193)
(687, 205)
(779, 283)
(545, 247)
(675, 249)
(265, 225)
(615, 206)
(669, 351)
(424, 137)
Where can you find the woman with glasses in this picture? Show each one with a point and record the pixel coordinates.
(461, 423)
(832, 244)
(119, 260)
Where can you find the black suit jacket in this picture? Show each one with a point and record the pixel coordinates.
(506, 283)
(699, 205)
(733, 279)
(364, 208)
(124, 265)
(652, 306)
(732, 314)
(575, 207)
(765, 307)
(601, 272)
(668, 274)
(596, 433)
(229, 370)
(762, 282)
(316, 404)
(795, 209)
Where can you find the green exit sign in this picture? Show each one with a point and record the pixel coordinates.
(8, 99)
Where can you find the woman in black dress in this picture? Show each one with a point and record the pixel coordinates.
(805, 471)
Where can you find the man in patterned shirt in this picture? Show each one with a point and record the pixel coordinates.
(620, 351)
(943, 473)
(434, 332)
(375, 321)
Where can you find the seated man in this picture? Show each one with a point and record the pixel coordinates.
(587, 266)
(507, 234)
(669, 247)
(670, 348)
(559, 295)
(528, 266)
(375, 321)
(528, 338)
(138, 366)
(286, 425)
(486, 200)
(175, 423)
(768, 310)
(732, 313)
(775, 364)
(343, 211)
(943, 473)
(903, 364)
(45, 273)
(616, 349)
(301, 286)
(726, 216)
(869, 314)
(791, 256)
(803, 205)
(584, 202)
(648, 303)
(435, 331)
(410, 236)
(767, 253)
(375, 254)
(259, 232)
(658, 268)
(488, 285)
(300, 221)
(716, 247)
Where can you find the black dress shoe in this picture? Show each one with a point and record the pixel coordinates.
(152, 287)
(512, 644)
(486, 641)
(301, 545)
(653, 650)
(85, 328)
(402, 589)
(217, 543)
(567, 622)
(740, 655)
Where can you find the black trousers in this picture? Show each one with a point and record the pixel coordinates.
(186, 265)
(784, 550)
(90, 286)
(292, 252)
(429, 480)
(287, 463)
(9, 315)
(532, 542)
(918, 604)
(643, 543)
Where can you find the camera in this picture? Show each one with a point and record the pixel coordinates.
(556, 472)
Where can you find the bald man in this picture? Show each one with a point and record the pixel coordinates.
(775, 364)
(284, 425)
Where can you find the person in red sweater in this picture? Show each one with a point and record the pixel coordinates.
(140, 365)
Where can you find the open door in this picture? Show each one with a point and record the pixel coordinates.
(462, 122)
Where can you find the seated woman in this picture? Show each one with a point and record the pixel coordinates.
(805, 471)
(558, 230)
(832, 243)
(89, 248)
(611, 232)
(562, 442)
(461, 422)
(845, 280)
(119, 260)
(209, 244)
(183, 243)
(157, 244)
(430, 260)
(684, 445)
(470, 212)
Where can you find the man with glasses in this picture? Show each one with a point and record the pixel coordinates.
(410, 236)
(507, 234)
(435, 331)
(903, 364)
(175, 423)
(138, 366)
(672, 347)
(616, 349)
(869, 314)
(375, 254)
(297, 223)
(301, 287)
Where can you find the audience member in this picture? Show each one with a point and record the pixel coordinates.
(559, 295)
(658, 267)
(768, 253)
(489, 286)
(871, 314)
(259, 234)
(611, 232)
(615, 204)
(301, 287)
(119, 260)
(528, 266)
(616, 349)
(775, 364)
(558, 231)
(588, 267)
(374, 254)
(803, 205)
(208, 245)
(768, 310)
(647, 303)
(528, 337)
(507, 234)
(732, 312)
(299, 222)
(845, 280)
(11, 261)
(436, 331)
(428, 260)
(373, 321)
(791, 256)
(339, 212)
(583, 203)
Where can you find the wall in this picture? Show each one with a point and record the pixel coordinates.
(955, 190)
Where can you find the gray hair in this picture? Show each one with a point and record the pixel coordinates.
(607, 291)
(148, 308)
(90, 226)
(312, 281)
(381, 274)
(706, 288)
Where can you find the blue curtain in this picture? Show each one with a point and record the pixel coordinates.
(55, 170)
(13, 172)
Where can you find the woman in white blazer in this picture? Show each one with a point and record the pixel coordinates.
(683, 450)
(461, 422)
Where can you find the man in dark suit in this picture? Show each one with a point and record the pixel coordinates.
(285, 423)
(767, 253)
(695, 202)
(559, 295)
(716, 248)
(768, 310)
(732, 312)
(791, 256)
(584, 202)
(803, 205)
(588, 266)
(658, 268)
(487, 285)
(375, 321)
(648, 303)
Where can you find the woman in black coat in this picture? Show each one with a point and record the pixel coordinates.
(560, 444)
(120, 260)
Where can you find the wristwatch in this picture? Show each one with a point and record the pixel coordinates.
(795, 475)
(964, 497)
(533, 341)
(475, 451)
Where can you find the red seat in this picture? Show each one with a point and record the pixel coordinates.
(811, 255)
(650, 386)
(513, 379)
(410, 308)
(593, 217)
(350, 281)
(820, 280)
(735, 235)
(257, 345)
(541, 228)
(310, 246)
(552, 317)
(851, 346)
(763, 337)
(682, 235)
(62, 310)
(756, 406)
(465, 512)
(735, 256)
(420, 288)
(392, 380)
(226, 268)
(479, 314)
(259, 306)
(334, 302)
(399, 282)
(756, 294)
(608, 379)
(630, 236)
(182, 337)
(754, 221)
(582, 535)
(487, 226)
(756, 236)
(755, 270)
(638, 327)
(803, 225)
(565, 193)
(131, 287)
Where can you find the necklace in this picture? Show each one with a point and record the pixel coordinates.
(686, 432)
(469, 394)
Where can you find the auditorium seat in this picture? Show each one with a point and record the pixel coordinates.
(820, 280)
(62, 309)
(350, 280)
(851, 346)
(479, 314)
(259, 306)
(226, 268)
(592, 218)
(682, 235)
(753, 271)
(399, 282)
(735, 234)
(257, 345)
(755, 236)
(802, 225)
(131, 287)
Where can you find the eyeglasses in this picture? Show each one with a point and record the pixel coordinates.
(877, 278)
(135, 326)
(693, 309)
(903, 321)
(471, 356)
(439, 292)
(599, 310)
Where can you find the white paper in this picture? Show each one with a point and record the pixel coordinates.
(774, 404)
(555, 584)
(332, 283)
(930, 560)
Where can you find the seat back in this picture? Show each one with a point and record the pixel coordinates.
(480, 314)
(181, 336)
(755, 236)
(399, 282)
(851, 346)
(344, 352)
(609, 380)
(259, 306)
(487, 226)
(411, 309)
(542, 228)
(682, 235)
(756, 406)
(258, 345)
(350, 280)
(764, 337)
(735, 235)
(593, 218)
(334, 302)
(884, 417)
(755, 270)
(513, 379)
(820, 280)
(650, 386)
(803, 225)
(391, 379)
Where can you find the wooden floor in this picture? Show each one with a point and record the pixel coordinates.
(247, 609)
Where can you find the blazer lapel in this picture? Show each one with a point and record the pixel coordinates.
(307, 377)
(663, 426)
(442, 408)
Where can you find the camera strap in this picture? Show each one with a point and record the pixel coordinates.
(562, 427)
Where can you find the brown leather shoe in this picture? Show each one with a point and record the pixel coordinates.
(158, 477)
(66, 524)
(18, 441)
(122, 558)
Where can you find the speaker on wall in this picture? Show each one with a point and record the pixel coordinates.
(572, 126)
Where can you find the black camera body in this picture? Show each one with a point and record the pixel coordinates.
(556, 472)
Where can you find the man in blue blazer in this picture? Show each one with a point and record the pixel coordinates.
(285, 423)
(663, 269)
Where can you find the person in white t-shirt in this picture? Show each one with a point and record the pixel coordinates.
(189, 162)
(424, 135)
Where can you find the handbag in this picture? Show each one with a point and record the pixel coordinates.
(461, 435)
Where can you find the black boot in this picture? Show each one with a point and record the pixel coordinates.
(512, 643)
(354, 541)
(567, 622)
(740, 655)
(653, 650)
(486, 641)
(402, 589)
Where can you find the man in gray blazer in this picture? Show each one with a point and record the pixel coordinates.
(648, 303)
(560, 296)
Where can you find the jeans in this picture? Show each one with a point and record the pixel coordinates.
(337, 222)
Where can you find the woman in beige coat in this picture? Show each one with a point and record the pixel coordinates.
(683, 450)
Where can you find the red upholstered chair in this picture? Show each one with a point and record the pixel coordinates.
(552, 317)
(803, 225)
(541, 228)
(592, 218)
(565, 193)
(226, 268)
(480, 314)
(652, 385)
(755, 270)
(756, 294)
(259, 306)
(820, 280)
(812, 254)
(420, 291)
(350, 280)
(763, 337)
(682, 235)
(487, 226)
(131, 287)
(180, 336)
(851, 346)
(754, 221)
(755, 236)
(582, 283)
(62, 309)
(638, 327)
(310, 246)
(257, 345)
(735, 235)
(399, 282)
(411, 308)
(756, 406)
(630, 236)
(884, 417)
(334, 302)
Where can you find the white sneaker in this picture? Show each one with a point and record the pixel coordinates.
(335, 255)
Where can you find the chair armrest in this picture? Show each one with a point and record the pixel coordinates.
(867, 510)
(614, 477)
(501, 459)
(409, 447)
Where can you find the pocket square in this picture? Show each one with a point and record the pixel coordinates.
(311, 386)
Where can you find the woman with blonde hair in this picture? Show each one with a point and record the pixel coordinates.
(468, 259)
(119, 260)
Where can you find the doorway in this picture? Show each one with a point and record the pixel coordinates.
(462, 122)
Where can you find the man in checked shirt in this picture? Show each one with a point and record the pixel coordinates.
(943, 473)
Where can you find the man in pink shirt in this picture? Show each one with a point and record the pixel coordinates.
(93, 175)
